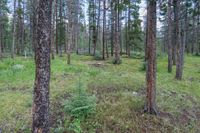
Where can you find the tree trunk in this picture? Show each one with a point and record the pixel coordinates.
(129, 26)
(70, 28)
(1, 40)
(94, 28)
(40, 107)
(104, 25)
(112, 26)
(117, 47)
(170, 63)
(151, 59)
(14, 30)
(180, 47)
(53, 29)
(60, 27)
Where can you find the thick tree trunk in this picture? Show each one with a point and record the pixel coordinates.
(151, 59)
(170, 63)
(40, 107)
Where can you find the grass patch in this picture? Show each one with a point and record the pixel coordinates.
(119, 89)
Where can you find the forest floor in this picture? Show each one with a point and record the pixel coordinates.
(119, 90)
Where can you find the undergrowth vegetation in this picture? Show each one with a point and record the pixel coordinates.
(97, 96)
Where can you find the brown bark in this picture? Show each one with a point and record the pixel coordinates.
(70, 4)
(94, 37)
(53, 29)
(129, 26)
(116, 45)
(19, 28)
(104, 26)
(151, 59)
(40, 107)
(112, 26)
(180, 47)
(170, 63)
(14, 30)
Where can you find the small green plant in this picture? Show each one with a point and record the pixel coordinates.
(98, 56)
(117, 62)
(143, 66)
(79, 107)
(75, 126)
(137, 55)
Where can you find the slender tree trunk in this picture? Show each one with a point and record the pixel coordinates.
(129, 26)
(14, 30)
(40, 107)
(57, 27)
(151, 58)
(170, 63)
(60, 27)
(70, 28)
(104, 25)
(89, 50)
(126, 31)
(117, 47)
(1, 30)
(98, 24)
(53, 29)
(180, 47)
(112, 26)
(94, 28)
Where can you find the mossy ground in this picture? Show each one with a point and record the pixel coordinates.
(120, 92)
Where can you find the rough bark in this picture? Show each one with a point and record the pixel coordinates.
(40, 107)
(151, 59)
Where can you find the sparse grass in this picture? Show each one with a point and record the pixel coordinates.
(120, 92)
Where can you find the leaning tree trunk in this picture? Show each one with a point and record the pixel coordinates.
(40, 107)
(151, 59)
(170, 63)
